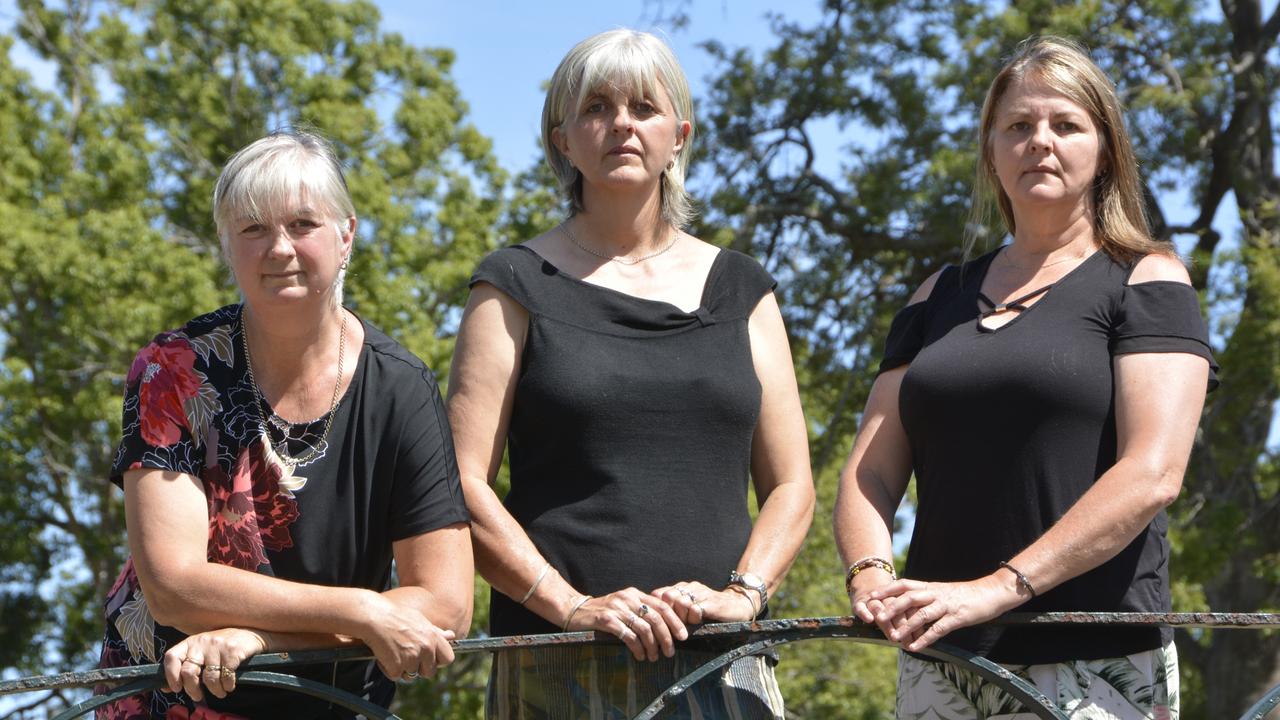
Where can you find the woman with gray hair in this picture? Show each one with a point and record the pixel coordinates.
(640, 379)
(277, 455)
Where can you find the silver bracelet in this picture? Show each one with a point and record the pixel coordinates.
(535, 584)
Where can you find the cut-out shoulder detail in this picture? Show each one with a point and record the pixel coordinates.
(923, 292)
(1159, 267)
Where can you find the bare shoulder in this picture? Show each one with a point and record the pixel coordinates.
(923, 292)
(547, 244)
(1158, 267)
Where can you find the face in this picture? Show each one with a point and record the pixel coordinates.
(622, 140)
(1044, 146)
(289, 257)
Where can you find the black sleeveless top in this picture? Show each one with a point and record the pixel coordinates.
(1009, 427)
(630, 437)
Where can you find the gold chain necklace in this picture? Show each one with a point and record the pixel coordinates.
(621, 260)
(259, 399)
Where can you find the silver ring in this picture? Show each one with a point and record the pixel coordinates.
(409, 676)
(642, 610)
(631, 619)
(687, 594)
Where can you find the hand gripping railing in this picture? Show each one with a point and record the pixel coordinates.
(746, 638)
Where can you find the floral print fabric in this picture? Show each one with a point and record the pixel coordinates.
(1143, 686)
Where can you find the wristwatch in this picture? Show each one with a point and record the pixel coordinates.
(751, 581)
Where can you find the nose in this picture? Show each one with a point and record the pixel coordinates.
(1041, 137)
(622, 120)
(281, 242)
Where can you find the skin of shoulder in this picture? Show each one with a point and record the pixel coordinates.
(1158, 267)
(923, 292)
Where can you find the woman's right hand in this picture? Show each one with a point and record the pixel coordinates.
(644, 622)
(210, 660)
(865, 608)
(405, 643)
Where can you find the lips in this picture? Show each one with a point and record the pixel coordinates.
(1040, 169)
(624, 150)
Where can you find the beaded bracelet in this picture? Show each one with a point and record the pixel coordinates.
(863, 564)
(1023, 581)
(535, 584)
(577, 604)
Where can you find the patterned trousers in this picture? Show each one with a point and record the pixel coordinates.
(603, 682)
(1143, 686)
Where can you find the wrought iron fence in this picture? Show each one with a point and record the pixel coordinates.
(745, 638)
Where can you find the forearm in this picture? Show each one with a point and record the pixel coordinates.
(445, 610)
(509, 561)
(1098, 526)
(208, 596)
(863, 518)
(779, 532)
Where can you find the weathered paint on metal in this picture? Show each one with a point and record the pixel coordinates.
(738, 639)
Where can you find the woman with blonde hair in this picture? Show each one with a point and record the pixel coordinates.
(1045, 396)
(277, 455)
(640, 379)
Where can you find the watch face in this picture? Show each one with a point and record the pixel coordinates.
(751, 580)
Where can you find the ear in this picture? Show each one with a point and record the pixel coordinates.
(560, 141)
(682, 133)
(349, 235)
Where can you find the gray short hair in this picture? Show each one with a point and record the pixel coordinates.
(636, 62)
(268, 174)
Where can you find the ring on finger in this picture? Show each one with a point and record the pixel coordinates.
(227, 672)
(632, 618)
(409, 675)
(215, 669)
(642, 610)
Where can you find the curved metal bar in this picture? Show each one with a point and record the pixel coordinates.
(97, 701)
(1021, 690)
(1264, 706)
(280, 681)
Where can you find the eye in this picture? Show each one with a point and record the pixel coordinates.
(592, 107)
(1068, 126)
(303, 225)
(645, 107)
(1019, 125)
(251, 229)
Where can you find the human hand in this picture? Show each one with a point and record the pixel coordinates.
(210, 660)
(919, 613)
(646, 623)
(404, 642)
(864, 607)
(695, 603)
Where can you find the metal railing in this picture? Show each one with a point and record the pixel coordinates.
(746, 638)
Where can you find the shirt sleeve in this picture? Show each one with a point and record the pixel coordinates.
(906, 337)
(506, 270)
(166, 394)
(427, 494)
(1162, 316)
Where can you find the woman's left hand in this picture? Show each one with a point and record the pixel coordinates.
(210, 660)
(696, 603)
(930, 610)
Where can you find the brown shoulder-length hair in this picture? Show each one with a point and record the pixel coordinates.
(1120, 221)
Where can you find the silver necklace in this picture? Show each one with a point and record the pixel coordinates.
(1009, 261)
(620, 259)
(283, 425)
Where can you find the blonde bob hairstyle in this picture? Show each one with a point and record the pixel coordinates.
(633, 62)
(1120, 221)
(267, 176)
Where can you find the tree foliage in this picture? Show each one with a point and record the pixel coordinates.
(109, 239)
(105, 188)
(901, 84)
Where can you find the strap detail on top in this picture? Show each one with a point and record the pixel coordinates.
(1015, 304)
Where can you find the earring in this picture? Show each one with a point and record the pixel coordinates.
(671, 164)
(345, 262)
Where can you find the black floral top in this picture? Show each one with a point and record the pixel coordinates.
(386, 471)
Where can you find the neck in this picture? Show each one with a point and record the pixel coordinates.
(291, 345)
(622, 223)
(1047, 236)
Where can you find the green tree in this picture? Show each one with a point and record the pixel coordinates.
(904, 81)
(109, 239)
